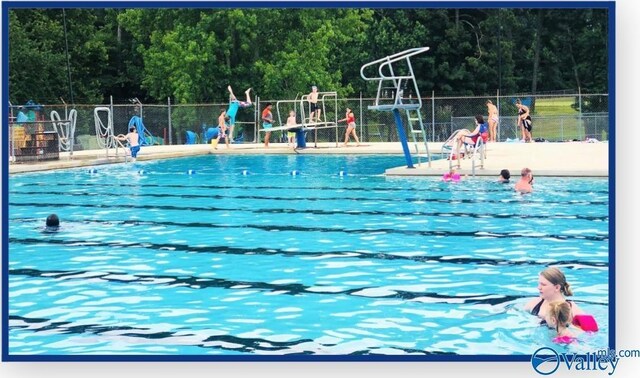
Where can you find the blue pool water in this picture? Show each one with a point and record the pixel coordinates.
(153, 260)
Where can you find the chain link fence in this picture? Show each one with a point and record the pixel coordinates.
(560, 117)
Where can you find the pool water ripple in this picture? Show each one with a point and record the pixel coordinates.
(218, 263)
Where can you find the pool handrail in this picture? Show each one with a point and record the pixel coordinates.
(479, 151)
(65, 128)
(397, 79)
(104, 134)
(388, 59)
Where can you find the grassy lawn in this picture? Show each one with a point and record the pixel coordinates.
(555, 106)
(558, 128)
(555, 119)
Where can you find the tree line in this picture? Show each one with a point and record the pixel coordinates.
(86, 55)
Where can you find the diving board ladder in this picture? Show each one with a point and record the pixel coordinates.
(387, 79)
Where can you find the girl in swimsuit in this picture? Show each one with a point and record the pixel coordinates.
(492, 111)
(560, 317)
(351, 127)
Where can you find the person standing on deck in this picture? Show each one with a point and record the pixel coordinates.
(492, 118)
(524, 120)
(267, 123)
(351, 127)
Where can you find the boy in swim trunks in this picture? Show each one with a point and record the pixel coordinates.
(134, 142)
(291, 135)
(267, 123)
(313, 103)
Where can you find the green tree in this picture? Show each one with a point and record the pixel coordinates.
(193, 54)
(317, 45)
(36, 57)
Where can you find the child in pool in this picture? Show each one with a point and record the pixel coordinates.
(452, 175)
(559, 317)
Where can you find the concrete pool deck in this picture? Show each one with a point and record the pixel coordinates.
(573, 159)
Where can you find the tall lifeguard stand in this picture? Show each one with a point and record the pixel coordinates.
(396, 85)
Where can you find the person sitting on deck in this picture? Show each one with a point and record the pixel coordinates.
(471, 137)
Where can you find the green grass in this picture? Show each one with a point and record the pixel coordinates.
(557, 129)
(556, 106)
(555, 119)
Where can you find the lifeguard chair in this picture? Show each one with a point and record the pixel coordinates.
(410, 103)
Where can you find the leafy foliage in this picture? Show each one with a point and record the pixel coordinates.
(191, 55)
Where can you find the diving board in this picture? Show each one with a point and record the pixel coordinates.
(301, 106)
(303, 126)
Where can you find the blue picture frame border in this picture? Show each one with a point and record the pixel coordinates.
(6, 6)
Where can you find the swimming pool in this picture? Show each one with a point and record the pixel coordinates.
(235, 255)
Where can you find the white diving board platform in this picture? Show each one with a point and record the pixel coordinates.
(304, 127)
(390, 107)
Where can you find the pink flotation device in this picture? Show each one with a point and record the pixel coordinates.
(585, 322)
(451, 177)
(564, 339)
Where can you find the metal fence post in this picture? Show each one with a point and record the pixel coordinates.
(498, 106)
(12, 148)
(433, 116)
(361, 119)
(106, 143)
(12, 152)
(169, 119)
(256, 134)
(580, 124)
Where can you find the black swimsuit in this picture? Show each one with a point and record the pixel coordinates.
(536, 310)
(527, 121)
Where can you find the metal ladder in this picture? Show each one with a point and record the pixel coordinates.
(420, 131)
(398, 83)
